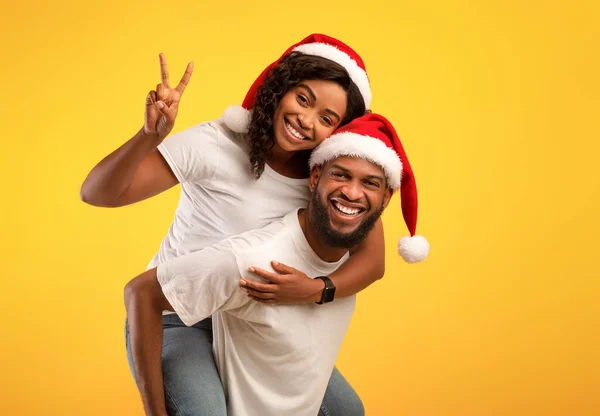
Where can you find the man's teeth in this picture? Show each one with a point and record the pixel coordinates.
(346, 210)
(294, 132)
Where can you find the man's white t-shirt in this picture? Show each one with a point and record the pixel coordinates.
(219, 196)
(273, 359)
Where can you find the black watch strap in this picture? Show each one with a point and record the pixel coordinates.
(328, 291)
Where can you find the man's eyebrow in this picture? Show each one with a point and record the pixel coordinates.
(368, 177)
(314, 98)
(371, 177)
(336, 166)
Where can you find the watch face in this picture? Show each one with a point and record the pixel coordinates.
(328, 294)
(328, 290)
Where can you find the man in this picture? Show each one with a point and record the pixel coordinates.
(276, 360)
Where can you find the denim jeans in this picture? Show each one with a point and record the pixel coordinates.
(192, 383)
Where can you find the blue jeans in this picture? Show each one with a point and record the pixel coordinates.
(192, 383)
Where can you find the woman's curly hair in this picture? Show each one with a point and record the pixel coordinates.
(289, 72)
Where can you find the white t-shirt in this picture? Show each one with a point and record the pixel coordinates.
(273, 359)
(219, 196)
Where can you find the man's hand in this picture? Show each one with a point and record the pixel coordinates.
(162, 105)
(287, 286)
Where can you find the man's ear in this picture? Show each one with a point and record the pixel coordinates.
(387, 197)
(315, 173)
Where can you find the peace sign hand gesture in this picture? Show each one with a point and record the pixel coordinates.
(162, 105)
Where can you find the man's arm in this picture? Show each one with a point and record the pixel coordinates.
(145, 302)
(195, 286)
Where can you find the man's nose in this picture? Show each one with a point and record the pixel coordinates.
(352, 190)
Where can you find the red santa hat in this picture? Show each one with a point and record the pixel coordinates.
(237, 118)
(372, 137)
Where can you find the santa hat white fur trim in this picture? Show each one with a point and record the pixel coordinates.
(357, 74)
(365, 147)
(413, 249)
(237, 118)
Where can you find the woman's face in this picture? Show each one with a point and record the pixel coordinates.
(308, 114)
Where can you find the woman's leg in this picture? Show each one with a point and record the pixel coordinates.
(340, 398)
(192, 383)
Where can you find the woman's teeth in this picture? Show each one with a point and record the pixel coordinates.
(346, 210)
(294, 132)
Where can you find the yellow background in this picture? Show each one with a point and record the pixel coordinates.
(497, 103)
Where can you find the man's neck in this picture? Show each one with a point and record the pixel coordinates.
(325, 252)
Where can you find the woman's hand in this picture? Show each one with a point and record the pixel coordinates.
(162, 105)
(288, 286)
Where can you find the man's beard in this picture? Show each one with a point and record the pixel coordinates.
(320, 221)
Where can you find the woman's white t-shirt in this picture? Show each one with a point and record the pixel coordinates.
(219, 196)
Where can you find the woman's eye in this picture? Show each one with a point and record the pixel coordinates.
(327, 121)
(302, 99)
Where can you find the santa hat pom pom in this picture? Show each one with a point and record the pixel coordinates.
(413, 249)
(237, 118)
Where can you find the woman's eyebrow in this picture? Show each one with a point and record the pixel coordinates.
(334, 114)
(314, 98)
(309, 90)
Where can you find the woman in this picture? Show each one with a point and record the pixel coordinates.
(233, 182)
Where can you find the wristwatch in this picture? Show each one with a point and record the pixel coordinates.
(328, 291)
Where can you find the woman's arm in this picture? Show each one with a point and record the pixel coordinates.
(290, 286)
(133, 172)
(136, 170)
(365, 265)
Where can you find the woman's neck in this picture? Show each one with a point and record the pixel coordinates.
(290, 164)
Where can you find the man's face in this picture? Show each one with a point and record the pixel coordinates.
(348, 196)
